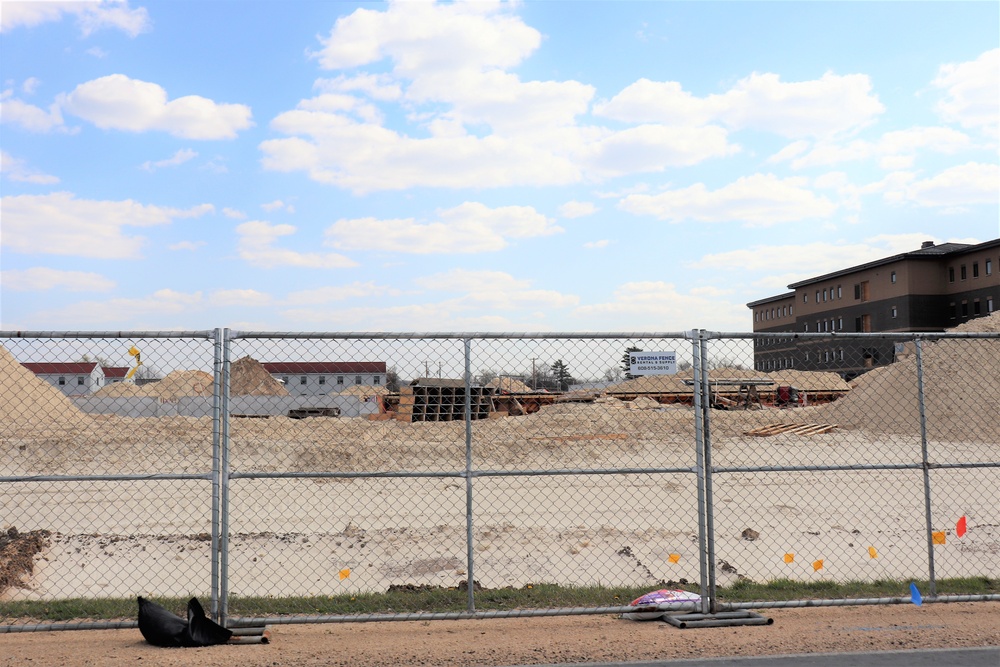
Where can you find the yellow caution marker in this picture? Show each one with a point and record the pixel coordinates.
(872, 553)
(789, 558)
(818, 565)
(938, 537)
(674, 558)
(345, 573)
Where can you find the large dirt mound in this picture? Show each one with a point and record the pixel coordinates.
(181, 383)
(248, 378)
(26, 398)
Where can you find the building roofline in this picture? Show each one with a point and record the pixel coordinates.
(930, 252)
(780, 297)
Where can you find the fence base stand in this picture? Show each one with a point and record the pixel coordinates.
(719, 620)
(258, 635)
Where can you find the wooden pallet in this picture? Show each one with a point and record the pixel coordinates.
(797, 429)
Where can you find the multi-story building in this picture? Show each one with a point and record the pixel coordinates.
(931, 289)
(311, 378)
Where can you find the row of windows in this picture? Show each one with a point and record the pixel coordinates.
(833, 324)
(962, 309)
(340, 379)
(963, 272)
(825, 294)
(826, 356)
(773, 313)
(62, 380)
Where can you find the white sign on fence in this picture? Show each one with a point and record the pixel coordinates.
(652, 363)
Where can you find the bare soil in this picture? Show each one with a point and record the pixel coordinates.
(527, 641)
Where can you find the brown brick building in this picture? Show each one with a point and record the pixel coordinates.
(927, 290)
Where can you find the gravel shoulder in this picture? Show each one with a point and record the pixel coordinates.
(522, 641)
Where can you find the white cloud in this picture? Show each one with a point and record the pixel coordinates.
(276, 205)
(963, 185)
(330, 293)
(494, 290)
(596, 245)
(794, 262)
(759, 200)
(60, 224)
(577, 209)
(425, 37)
(186, 245)
(43, 278)
(468, 228)
(234, 213)
(162, 307)
(239, 297)
(826, 106)
(120, 103)
(660, 306)
(972, 93)
(476, 124)
(178, 158)
(90, 16)
(256, 245)
(29, 116)
(894, 150)
(17, 170)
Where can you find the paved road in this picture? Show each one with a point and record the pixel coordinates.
(971, 657)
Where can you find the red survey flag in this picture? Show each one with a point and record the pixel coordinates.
(960, 527)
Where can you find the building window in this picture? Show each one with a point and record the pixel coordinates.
(975, 269)
(322, 379)
(79, 381)
(989, 267)
(284, 381)
(951, 274)
(894, 312)
(989, 304)
(62, 381)
(976, 307)
(840, 292)
(817, 296)
(892, 277)
(302, 380)
(965, 309)
(961, 271)
(805, 298)
(357, 379)
(841, 354)
(377, 380)
(805, 326)
(840, 323)
(340, 379)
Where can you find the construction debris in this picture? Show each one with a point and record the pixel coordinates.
(797, 429)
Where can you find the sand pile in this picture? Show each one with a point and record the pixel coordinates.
(181, 383)
(119, 389)
(961, 390)
(248, 378)
(25, 398)
(509, 385)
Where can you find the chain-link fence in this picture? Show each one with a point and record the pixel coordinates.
(296, 477)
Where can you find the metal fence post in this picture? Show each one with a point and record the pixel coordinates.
(697, 389)
(224, 486)
(926, 466)
(470, 557)
(707, 459)
(216, 465)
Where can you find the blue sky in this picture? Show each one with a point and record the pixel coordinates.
(536, 166)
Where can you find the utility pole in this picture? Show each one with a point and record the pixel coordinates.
(534, 382)
(427, 369)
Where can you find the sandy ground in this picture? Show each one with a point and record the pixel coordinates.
(294, 536)
(553, 640)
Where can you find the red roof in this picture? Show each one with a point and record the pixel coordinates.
(115, 371)
(69, 368)
(323, 367)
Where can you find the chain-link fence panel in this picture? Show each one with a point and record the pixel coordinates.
(106, 469)
(816, 479)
